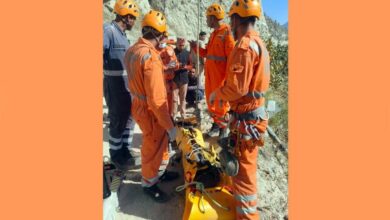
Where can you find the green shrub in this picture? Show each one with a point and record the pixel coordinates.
(279, 87)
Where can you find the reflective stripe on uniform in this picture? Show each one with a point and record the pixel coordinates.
(245, 198)
(255, 47)
(255, 94)
(216, 58)
(115, 143)
(145, 182)
(255, 114)
(165, 162)
(246, 211)
(114, 139)
(145, 58)
(139, 96)
(163, 167)
(131, 58)
(114, 72)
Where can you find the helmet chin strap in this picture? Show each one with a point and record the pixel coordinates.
(156, 38)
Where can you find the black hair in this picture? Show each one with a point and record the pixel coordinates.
(150, 33)
(247, 20)
(118, 18)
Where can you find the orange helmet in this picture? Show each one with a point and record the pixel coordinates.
(156, 20)
(125, 7)
(246, 8)
(216, 10)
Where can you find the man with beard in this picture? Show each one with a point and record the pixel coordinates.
(116, 93)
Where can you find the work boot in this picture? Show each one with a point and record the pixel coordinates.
(169, 176)
(131, 155)
(156, 194)
(214, 130)
(123, 160)
(126, 152)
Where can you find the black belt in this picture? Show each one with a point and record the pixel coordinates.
(258, 113)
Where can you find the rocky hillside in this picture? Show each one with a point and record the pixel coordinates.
(182, 16)
(276, 30)
(285, 25)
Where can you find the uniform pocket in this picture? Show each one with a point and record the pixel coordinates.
(236, 68)
(144, 120)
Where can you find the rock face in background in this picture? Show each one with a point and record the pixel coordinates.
(182, 16)
(108, 16)
(277, 31)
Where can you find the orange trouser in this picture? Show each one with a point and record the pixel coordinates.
(244, 184)
(217, 110)
(154, 143)
(169, 85)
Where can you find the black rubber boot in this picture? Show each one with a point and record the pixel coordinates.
(169, 176)
(106, 187)
(156, 194)
(123, 159)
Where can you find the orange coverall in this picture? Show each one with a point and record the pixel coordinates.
(168, 58)
(149, 106)
(218, 48)
(248, 71)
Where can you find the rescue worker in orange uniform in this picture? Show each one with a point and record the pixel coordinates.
(150, 106)
(171, 64)
(220, 45)
(248, 77)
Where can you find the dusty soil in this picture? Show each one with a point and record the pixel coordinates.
(272, 177)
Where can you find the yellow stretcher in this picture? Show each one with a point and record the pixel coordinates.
(208, 191)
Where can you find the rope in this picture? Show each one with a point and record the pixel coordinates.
(200, 187)
(192, 152)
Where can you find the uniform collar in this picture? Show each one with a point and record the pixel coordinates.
(221, 27)
(251, 33)
(142, 40)
(118, 28)
(248, 34)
